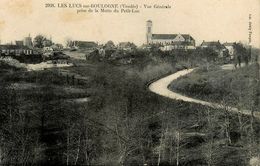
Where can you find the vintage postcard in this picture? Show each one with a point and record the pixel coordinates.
(130, 82)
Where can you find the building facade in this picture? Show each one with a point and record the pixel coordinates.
(169, 41)
(19, 43)
(16, 50)
(231, 49)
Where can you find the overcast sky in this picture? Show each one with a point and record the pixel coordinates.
(224, 20)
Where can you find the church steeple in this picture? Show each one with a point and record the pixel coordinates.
(149, 25)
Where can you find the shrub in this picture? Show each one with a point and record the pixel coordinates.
(10, 63)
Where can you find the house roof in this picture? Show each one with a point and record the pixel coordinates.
(171, 36)
(19, 42)
(126, 44)
(210, 43)
(85, 44)
(215, 44)
(229, 44)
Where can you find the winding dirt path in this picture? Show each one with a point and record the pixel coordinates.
(160, 87)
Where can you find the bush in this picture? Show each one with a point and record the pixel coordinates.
(10, 63)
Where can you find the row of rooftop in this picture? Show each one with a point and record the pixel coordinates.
(27, 47)
(166, 42)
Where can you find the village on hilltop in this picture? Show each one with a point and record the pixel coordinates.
(41, 48)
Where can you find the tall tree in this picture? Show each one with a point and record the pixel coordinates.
(110, 44)
(240, 54)
(38, 41)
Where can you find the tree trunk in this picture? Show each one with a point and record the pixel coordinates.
(210, 148)
(68, 142)
(227, 127)
(77, 155)
(159, 155)
(178, 148)
(86, 147)
(240, 125)
(122, 157)
(171, 149)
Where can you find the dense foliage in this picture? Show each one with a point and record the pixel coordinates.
(44, 121)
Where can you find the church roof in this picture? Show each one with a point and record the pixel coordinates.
(164, 36)
(170, 36)
(228, 44)
(187, 36)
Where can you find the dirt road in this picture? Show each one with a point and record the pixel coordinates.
(160, 87)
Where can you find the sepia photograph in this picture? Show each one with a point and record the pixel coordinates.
(130, 82)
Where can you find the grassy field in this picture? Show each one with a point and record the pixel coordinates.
(237, 87)
(122, 123)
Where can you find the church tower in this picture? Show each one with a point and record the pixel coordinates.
(149, 25)
(28, 41)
